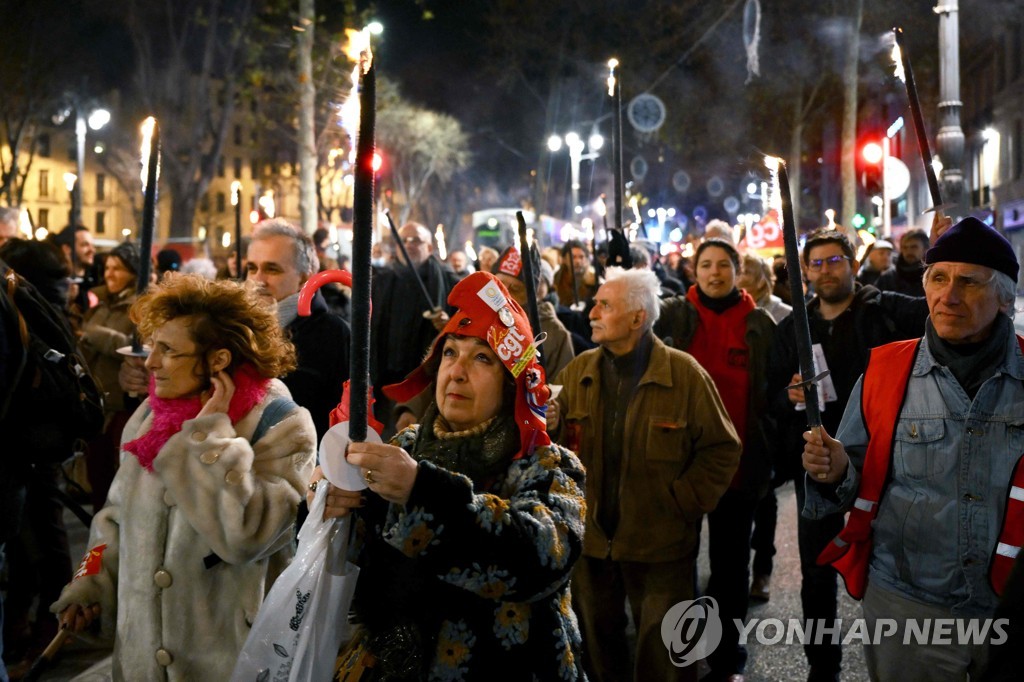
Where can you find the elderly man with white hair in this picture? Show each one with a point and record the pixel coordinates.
(660, 450)
(928, 461)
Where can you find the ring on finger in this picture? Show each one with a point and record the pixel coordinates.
(312, 486)
(369, 476)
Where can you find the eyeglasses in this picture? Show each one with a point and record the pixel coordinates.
(817, 264)
(413, 241)
(162, 350)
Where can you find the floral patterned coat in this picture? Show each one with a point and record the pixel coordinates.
(491, 565)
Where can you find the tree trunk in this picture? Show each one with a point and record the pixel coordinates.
(849, 143)
(306, 152)
(183, 212)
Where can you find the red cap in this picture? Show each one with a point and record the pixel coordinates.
(486, 311)
(510, 263)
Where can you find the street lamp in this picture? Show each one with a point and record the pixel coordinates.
(95, 119)
(576, 146)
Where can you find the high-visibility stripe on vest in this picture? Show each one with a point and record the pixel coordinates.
(883, 392)
(1011, 535)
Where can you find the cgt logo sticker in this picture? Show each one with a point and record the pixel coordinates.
(691, 630)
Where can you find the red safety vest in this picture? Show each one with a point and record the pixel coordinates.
(882, 395)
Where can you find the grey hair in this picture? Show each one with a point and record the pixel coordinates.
(1005, 288)
(306, 262)
(10, 214)
(642, 291)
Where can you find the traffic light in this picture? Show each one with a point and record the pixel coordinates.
(858, 221)
(871, 173)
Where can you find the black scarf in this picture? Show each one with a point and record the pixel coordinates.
(972, 364)
(719, 305)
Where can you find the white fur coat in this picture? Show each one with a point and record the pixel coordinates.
(171, 617)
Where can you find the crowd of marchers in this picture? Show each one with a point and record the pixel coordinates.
(541, 484)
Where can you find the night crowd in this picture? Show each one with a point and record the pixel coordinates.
(535, 508)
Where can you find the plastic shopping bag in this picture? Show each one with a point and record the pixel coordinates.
(304, 619)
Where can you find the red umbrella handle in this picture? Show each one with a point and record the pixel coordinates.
(318, 280)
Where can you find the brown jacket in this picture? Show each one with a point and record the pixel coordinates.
(105, 329)
(681, 453)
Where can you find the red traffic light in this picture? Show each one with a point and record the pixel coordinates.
(378, 162)
(872, 153)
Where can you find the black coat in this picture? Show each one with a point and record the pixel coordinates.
(400, 335)
(875, 318)
(322, 342)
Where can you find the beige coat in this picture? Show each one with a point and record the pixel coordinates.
(211, 493)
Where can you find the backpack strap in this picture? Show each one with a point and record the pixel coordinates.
(275, 412)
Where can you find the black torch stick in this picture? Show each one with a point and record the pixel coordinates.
(236, 201)
(362, 245)
(615, 91)
(526, 253)
(152, 168)
(405, 255)
(915, 110)
(802, 327)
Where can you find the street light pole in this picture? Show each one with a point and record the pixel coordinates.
(575, 144)
(886, 200)
(950, 139)
(76, 200)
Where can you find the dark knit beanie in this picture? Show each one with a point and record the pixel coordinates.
(972, 241)
(128, 253)
(168, 260)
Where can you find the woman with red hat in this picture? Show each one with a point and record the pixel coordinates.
(473, 520)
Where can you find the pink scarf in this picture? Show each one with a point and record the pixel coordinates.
(170, 413)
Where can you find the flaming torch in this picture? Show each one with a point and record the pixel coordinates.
(802, 327)
(906, 74)
(150, 180)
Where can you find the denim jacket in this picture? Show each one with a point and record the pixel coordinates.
(940, 515)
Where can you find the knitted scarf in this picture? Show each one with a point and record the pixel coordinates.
(170, 413)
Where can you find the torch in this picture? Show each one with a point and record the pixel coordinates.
(615, 92)
(362, 245)
(150, 181)
(236, 201)
(906, 74)
(405, 254)
(802, 327)
(526, 253)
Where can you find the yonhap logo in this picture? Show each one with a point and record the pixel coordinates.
(691, 630)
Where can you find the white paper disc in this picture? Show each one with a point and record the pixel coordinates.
(332, 458)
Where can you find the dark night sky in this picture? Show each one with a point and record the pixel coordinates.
(441, 62)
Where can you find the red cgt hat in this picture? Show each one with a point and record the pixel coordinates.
(486, 311)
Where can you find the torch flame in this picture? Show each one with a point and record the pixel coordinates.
(470, 251)
(147, 128)
(897, 58)
(772, 163)
(25, 223)
(442, 249)
(357, 49)
(236, 192)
